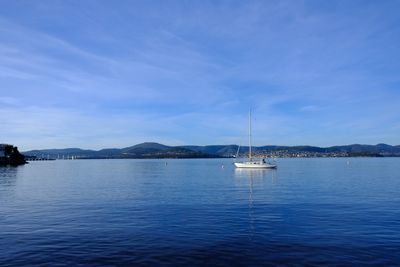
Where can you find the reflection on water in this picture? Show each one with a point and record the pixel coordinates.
(8, 175)
(258, 177)
(8, 182)
(255, 173)
(255, 179)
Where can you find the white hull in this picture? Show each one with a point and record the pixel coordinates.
(254, 165)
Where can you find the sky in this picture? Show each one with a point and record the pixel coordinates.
(99, 73)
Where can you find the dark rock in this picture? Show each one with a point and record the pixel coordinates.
(9, 155)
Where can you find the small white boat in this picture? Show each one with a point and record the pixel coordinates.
(252, 163)
(255, 164)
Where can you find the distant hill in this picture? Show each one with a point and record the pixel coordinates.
(156, 150)
(221, 150)
(146, 148)
(148, 145)
(143, 150)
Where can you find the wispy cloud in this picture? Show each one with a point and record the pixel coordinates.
(310, 108)
(187, 73)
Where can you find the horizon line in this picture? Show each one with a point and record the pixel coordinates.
(211, 145)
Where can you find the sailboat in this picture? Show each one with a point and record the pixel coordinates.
(251, 162)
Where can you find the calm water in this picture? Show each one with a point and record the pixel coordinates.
(194, 212)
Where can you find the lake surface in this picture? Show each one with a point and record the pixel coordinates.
(332, 212)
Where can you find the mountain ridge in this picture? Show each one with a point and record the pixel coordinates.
(157, 150)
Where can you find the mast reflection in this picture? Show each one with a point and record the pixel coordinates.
(255, 179)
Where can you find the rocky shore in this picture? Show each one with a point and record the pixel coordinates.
(9, 155)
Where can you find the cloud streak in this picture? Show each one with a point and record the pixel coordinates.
(314, 73)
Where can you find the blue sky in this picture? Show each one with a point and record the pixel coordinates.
(97, 74)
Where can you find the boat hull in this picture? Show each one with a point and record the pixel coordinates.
(254, 165)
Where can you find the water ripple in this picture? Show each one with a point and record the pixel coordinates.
(194, 213)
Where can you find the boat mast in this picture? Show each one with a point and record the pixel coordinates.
(250, 134)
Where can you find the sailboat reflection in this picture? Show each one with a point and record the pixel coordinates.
(258, 175)
(256, 179)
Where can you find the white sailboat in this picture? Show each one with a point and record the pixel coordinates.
(251, 162)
